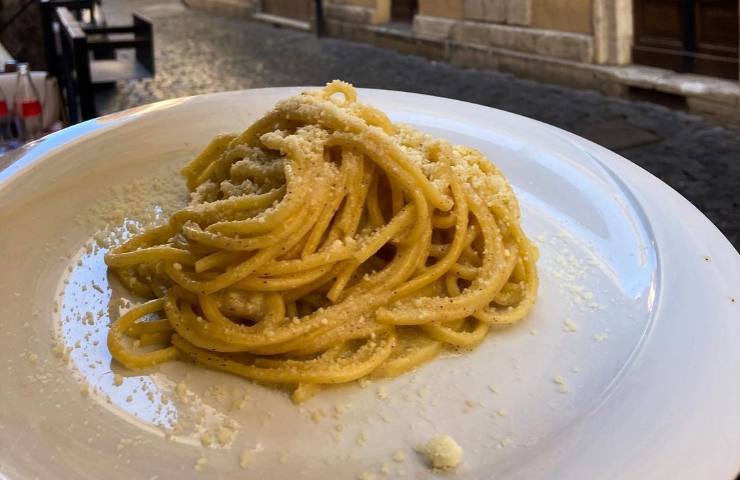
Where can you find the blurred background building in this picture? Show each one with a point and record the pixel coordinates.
(674, 52)
(680, 53)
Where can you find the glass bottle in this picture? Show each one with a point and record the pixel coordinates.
(27, 112)
(4, 124)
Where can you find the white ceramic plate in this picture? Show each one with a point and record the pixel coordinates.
(645, 387)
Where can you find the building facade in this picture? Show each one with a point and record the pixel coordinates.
(683, 53)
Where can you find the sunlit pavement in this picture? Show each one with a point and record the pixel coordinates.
(197, 52)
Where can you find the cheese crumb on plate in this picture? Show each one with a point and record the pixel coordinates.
(443, 452)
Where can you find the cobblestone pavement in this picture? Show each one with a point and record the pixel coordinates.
(197, 52)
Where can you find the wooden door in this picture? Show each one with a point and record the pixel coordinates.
(295, 9)
(404, 10)
(697, 36)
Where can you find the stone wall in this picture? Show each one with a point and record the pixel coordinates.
(229, 8)
(547, 43)
(442, 8)
(612, 23)
(592, 31)
(512, 12)
(573, 16)
(368, 12)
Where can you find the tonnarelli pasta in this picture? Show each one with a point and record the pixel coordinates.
(325, 244)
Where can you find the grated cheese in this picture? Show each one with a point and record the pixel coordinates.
(443, 452)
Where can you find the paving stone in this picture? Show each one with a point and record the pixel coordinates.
(617, 134)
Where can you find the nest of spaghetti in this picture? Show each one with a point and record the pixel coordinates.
(325, 244)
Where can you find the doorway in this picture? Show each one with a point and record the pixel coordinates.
(691, 36)
(403, 11)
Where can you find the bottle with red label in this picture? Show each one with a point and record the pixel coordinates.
(5, 134)
(28, 114)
